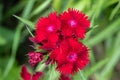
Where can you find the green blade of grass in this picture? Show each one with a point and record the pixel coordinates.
(92, 57)
(7, 39)
(80, 5)
(29, 31)
(2, 41)
(99, 7)
(115, 10)
(53, 74)
(113, 59)
(57, 5)
(92, 27)
(16, 39)
(25, 21)
(79, 75)
(1, 12)
(108, 42)
(96, 67)
(110, 30)
(109, 3)
(41, 7)
(14, 9)
(69, 4)
(82, 75)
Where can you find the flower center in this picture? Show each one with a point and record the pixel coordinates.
(72, 56)
(50, 28)
(72, 23)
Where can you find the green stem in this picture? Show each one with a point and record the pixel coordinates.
(82, 75)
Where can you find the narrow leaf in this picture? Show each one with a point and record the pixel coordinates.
(111, 29)
(115, 10)
(41, 7)
(25, 21)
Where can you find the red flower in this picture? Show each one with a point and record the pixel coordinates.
(46, 30)
(64, 77)
(25, 75)
(70, 56)
(74, 23)
(34, 57)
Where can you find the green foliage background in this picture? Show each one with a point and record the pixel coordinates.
(103, 38)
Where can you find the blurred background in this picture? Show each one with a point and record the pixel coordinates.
(103, 38)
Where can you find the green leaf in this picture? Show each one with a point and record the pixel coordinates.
(2, 41)
(15, 9)
(1, 12)
(92, 57)
(99, 7)
(79, 76)
(57, 5)
(29, 31)
(110, 30)
(82, 75)
(25, 21)
(115, 57)
(69, 4)
(80, 5)
(41, 7)
(109, 3)
(93, 27)
(53, 73)
(14, 73)
(4, 38)
(96, 67)
(16, 39)
(115, 10)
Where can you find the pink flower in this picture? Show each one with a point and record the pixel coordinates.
(34, 57)
(25, 75)
(70, 56)
(74, 23)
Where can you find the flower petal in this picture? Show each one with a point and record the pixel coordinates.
(25, 75)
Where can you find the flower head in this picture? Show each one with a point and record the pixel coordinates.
(46, 30)
(70, 56)
(25, 75)
(74, 23)
(34, 57)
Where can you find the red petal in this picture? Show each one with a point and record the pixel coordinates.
(65, 67)
(53, 38)
(24, 73)
(80, 33)
(40, 35)
(36, 76)
(64, 77)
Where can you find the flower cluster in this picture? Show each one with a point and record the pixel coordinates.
(60, 35)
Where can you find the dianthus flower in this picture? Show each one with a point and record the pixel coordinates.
(47, 30)
(25, 75)
(74, 23)
(70, 56)
(58, 36)
(34, 57)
